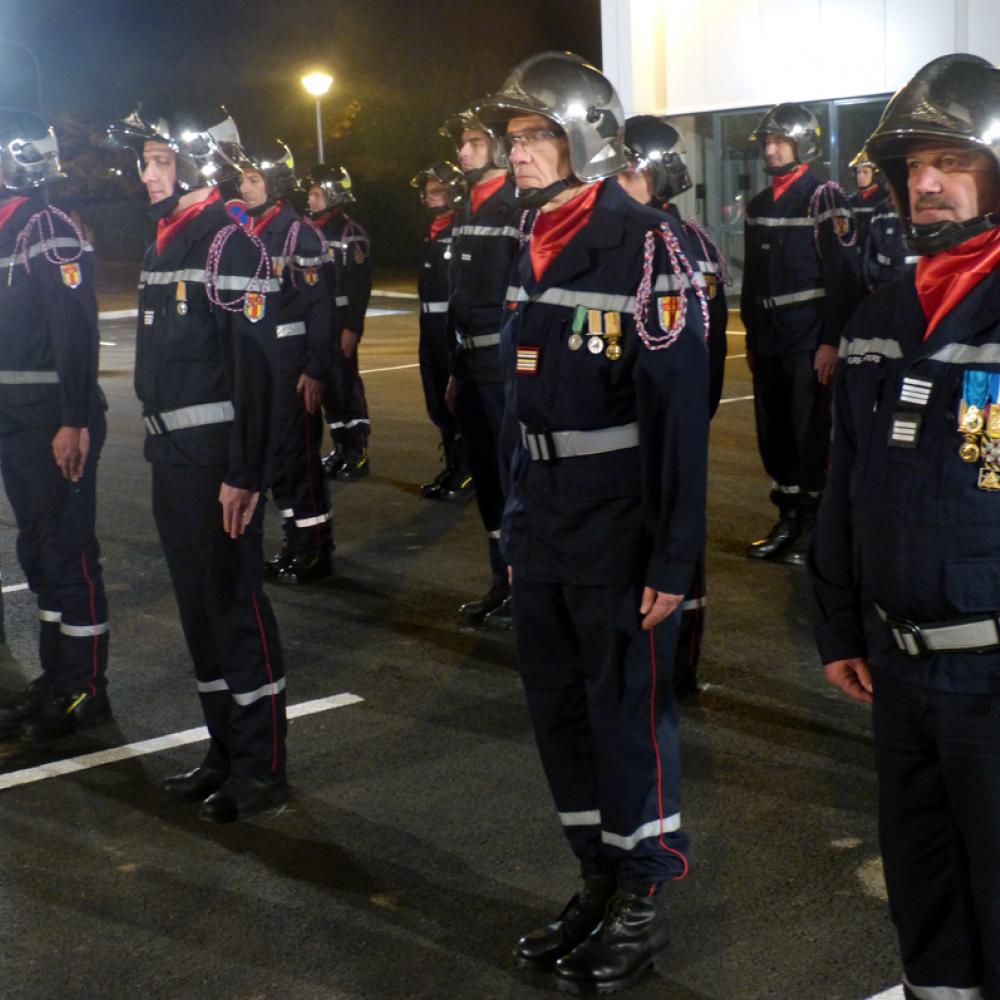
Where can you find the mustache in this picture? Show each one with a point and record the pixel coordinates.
(928, 201)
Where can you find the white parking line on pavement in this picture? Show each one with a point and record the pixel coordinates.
(71, 765)
(14, 586)
(392, 368)
(735, 399)
(896, 993)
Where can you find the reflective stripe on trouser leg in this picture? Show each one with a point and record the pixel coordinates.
(228, 623)
(586, 667)
(58, 550)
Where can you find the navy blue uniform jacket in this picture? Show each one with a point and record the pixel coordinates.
(635, 516)
(903, 523)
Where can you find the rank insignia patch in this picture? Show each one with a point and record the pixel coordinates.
(253, 306)
(310, 275)
(668, 308)
(527, 360)
(71, 275)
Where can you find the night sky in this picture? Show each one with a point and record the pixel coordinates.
(408, 65)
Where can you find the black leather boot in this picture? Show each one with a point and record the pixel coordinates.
(193, 786)
(64, 713)
(354, 467)
(274, 566)
(458, 484)
(332, 462)
(542, 948)
(240, 797)
(500, 619)
(632, 934)
(797, 553)
(24, 706)
(473, 612)
(306, 569)
(784, 532)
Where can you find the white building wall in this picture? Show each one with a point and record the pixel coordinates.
(679, 56)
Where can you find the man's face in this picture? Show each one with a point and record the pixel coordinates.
(950, 183)
(253, 188)
(474, 150)
(864, 176)
(539, 155)
(317, 199)
(436, 194)
(159, 171)
(778, 151)
(637, 184)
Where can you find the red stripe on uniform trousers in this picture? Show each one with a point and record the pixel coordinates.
(270, 679)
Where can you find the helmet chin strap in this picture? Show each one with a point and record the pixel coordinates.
(164, 208)
(536, 197)
(930, 239)
(783, 171)
(476, 175)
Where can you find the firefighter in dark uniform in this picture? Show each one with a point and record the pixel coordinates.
(305, 355)
(205, 367)
(442, 189)
(52, 429)
(866, 198)
(607, 319)
(886, 256)
(485, 240)
(906, 561)
(655, 174)
(800, 286)
(330, 190)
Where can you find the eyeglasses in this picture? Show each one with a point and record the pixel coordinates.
(530, 139)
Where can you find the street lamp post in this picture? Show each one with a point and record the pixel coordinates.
(317, 84)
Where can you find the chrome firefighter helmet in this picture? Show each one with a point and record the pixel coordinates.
(796, 123)
(655, 147)
(334, 182)
(468, 121)
(446, 173)
(206, 154)
(863, 159)
(277, 167)
(29, 153)
(576, 96)
(952, 101)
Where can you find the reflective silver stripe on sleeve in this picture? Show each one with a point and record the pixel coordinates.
(831, 213)
(693, 605)
(764, 220)
(675, 282)
(876, 345)
(708, 267)
(943, 992)
(576, 297)
(791, 298)
(286, 513)
(590, 818)
(291, 330)
(243, 283)
(474, 343)
(212, 687)
(508, 231)
(83, 631)
(267, 691)
(29, 378)
(341, 300)
(189, 416)
(308, 261)
(779, 488)
(434, 307)
(311, 522)
(49, 616)
(670, 824)
(966, 354)
(56, 243)
(336, 425)
(895, 261)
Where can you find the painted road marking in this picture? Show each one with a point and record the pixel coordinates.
(13, 587)
(71, 765)
(735, 399)
(393, 368)
(896, 993)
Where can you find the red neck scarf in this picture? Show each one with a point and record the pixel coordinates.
(257, 226)
(168, 228)
(553, 230)
(440, 223)
(944, 279)
(870, 191)
(6, 211)
(779, 185)
(484, 189)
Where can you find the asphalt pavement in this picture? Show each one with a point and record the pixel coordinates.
(420, 840)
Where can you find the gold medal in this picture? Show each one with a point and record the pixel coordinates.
(969, 452)
(575, 342)
(614, 352)
(971, 421)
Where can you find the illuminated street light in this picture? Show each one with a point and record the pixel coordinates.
(317, 84)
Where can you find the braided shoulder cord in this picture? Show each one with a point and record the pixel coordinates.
(824, 199)
(257, 283)
(42, 223)
(707, 245)
(678, 264)
(354, 229)
(291, 242)
(526, 226)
